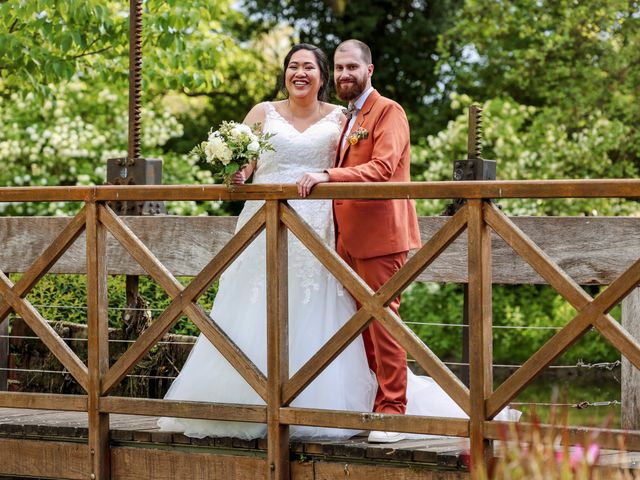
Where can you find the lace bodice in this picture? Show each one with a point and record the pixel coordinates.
(297, 152)
(294, 154)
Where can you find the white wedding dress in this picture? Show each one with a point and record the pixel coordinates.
(318, 307)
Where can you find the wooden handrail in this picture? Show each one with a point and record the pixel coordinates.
(603, 188)
(479, 218)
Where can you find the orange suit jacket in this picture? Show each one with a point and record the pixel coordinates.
(372, 228)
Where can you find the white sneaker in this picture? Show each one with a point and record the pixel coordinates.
(377, 436)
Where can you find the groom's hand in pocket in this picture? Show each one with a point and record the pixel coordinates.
(309, 180)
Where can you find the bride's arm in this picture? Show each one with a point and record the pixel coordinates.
(255, 115)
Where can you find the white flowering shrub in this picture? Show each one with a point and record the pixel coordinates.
(532, 143)
(67, 139)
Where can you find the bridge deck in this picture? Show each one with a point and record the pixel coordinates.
(53, 444)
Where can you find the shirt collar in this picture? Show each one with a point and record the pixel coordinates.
(362, 98)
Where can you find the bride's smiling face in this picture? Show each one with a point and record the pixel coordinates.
(302, 75)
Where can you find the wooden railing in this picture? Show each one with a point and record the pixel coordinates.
(479, 218)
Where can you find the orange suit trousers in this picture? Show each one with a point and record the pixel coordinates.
(387, 359)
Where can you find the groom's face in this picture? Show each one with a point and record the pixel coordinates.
(351, 73)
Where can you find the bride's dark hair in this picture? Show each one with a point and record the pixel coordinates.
(323, 65)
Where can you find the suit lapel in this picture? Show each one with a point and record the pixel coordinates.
(341, 151)
(364, 111)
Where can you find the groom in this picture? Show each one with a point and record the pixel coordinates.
(373, 236)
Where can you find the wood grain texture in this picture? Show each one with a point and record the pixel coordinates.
(592, 250)
(98, 342)
(591, 188)
(480, 332)
(277, 342)
(184, 409)
(42, 459)
(50, 401)
(144, 464)
(376, 421)
(630, 379)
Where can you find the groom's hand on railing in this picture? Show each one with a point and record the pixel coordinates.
(309, 180)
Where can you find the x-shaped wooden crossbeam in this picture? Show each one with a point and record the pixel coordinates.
(184, 300)
(375, 305)
(13, 298)
(590, 311)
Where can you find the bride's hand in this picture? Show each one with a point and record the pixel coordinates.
(238, 178)
(242, 175)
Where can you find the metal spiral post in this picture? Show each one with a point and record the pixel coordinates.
(474, 142)
(135, 79)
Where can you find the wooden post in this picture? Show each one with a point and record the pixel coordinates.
(631, 375)
(277, 342)
(98, 345)
(4, 355)
(480, 335)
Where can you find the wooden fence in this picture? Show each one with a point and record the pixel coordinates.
(478, 218)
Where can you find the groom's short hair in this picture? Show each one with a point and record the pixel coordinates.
(365, 51)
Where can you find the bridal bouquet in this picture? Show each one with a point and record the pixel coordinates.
(231, 147)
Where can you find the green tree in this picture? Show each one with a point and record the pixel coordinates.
(189, 47)
(403, 36)
(573, 61)
(64, 90)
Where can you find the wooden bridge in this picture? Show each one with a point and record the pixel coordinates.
(497, 249)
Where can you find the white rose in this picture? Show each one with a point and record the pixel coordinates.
(239, 129)
(254, 146)
(214, 148)
(225, 155)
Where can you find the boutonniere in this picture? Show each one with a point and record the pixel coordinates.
(359, 134)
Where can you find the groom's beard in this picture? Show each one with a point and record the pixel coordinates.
(352, 91)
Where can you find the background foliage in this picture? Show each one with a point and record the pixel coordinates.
(558, 82)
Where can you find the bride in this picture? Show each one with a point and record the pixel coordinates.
(307, 130)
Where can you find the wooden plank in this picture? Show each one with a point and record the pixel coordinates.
(184, 409)
(160, 274)
(72, 403)
(183, 302)
(36, 458)
(480, 333)
(591, 250)
(98, 342)
(536, 257)
(630, 377)
(356, 471)
(277, 342)
(457, 427)
(45, 332)
(4, 355)
(142, 464)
